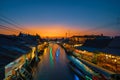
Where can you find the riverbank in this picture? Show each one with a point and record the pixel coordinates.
(108, 74)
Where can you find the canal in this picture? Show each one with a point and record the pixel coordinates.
(53, 65)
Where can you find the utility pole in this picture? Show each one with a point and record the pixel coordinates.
(66, 35)
(69, 33)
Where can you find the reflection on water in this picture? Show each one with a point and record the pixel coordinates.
(51, 58)
(57, 54)
(54, 65)
(76, 77)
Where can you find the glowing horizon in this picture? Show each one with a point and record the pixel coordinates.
(53, 30)
(58, 31)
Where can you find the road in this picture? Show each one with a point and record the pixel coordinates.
(53, 65)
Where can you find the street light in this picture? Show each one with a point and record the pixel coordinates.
(115, 64)
(115, 60)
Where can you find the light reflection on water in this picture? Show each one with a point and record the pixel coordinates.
(54, 65)
(51, 58)
(76, 77)
(57, 54)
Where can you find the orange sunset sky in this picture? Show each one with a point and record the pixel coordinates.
(53, 31)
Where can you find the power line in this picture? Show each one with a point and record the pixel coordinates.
(8, 28)
(11, 20)
(13, 23)
(9, 23)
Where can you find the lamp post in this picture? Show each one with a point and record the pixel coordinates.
(115, 64)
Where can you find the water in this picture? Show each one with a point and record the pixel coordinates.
(54, 65)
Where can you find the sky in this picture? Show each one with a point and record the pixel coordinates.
(55, 18)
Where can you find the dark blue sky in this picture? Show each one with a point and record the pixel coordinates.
(79, 13)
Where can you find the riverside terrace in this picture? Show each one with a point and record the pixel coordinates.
(104, 52)
(12, 47)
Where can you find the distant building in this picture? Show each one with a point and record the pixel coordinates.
(82, 39)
